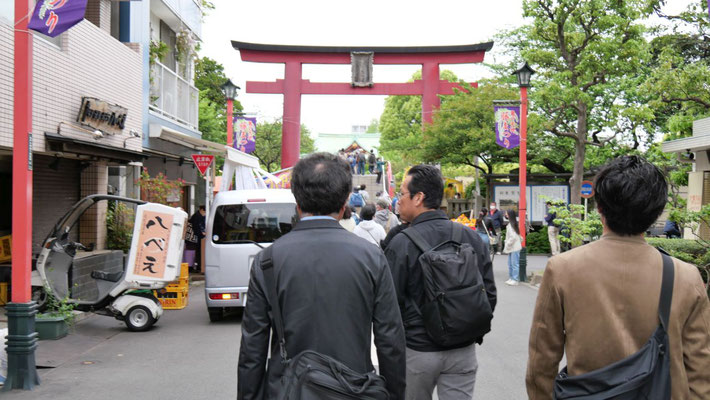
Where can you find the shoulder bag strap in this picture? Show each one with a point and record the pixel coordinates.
(417, 239)
(267, 266)
(664, 303)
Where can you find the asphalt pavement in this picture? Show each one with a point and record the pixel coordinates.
(186, 357)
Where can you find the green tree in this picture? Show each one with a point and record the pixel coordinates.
(374, 126)
(678, 84)
(212, 119)
(400, 126)
(268, 144)
(209, 78)
(464, 129)
(588, 55)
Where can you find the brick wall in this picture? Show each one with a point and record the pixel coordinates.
(98, 12)
(90, 63)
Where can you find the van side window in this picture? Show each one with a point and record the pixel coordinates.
(258, 222)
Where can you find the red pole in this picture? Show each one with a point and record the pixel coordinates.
(22, 336)
(21, 157)
(430, 101)
(230, 122)
(291, 128)
(523, 160)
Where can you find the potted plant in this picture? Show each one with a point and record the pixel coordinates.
(55, 322)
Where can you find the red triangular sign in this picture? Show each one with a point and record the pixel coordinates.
(202, 161)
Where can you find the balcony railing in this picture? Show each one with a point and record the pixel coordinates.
(173, 96)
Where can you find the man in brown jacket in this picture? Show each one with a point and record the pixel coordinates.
(599, 303)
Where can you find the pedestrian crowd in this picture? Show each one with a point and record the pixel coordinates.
(363, 162)
(632, 322)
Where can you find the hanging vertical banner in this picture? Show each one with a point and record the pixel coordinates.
(507, 126)
(52, 17)
(284, 175)
(390, 180)
(244, 134)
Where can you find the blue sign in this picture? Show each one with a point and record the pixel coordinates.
(587, 189)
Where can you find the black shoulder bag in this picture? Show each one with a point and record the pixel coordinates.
(311, 375)
(644, 375)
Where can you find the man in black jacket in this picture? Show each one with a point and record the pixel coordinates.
(498, 223)
(334, 289)
(451, 369)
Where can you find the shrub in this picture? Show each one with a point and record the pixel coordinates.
(537, 242)
(690, 251)
(119, 225)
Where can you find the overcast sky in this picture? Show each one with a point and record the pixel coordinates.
(361, 23)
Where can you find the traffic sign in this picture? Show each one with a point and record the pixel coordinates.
(587, 189)
(202, 161)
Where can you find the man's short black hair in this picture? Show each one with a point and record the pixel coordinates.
(202, 208)
(631, 194)
(426, 179)
(368, 212)
(321, 183)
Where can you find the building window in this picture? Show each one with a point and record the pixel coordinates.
(167, 36)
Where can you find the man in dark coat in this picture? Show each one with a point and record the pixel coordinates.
(498, 223)
(451, 369)
(330, 304)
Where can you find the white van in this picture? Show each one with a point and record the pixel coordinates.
(240, 225)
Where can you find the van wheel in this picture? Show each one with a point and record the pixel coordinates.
(216, 313)
(139, 319)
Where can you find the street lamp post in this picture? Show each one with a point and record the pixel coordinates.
(230, 93)
(523, 74)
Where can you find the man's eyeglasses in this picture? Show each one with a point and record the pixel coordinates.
(401, 194)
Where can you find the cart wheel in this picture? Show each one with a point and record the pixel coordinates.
(39, 296)
(139, 319)
(216, 313)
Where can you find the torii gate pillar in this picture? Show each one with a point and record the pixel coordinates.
(291, 124)
(293, 85)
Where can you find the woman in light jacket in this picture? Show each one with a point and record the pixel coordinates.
(513, 245)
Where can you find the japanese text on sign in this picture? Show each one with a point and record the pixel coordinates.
(153, 244)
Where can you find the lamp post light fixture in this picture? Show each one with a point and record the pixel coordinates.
(230, 93)
(523, 74)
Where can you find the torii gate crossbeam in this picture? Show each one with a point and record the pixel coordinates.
(293, 85)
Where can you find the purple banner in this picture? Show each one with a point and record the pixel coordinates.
(52, 17)
(244, 134)
(507, 126)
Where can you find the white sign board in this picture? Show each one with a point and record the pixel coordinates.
(157, 245)
(508, 196)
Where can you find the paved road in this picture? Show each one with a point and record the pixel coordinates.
(187, 357)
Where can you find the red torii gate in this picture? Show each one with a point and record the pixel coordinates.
(293, 85)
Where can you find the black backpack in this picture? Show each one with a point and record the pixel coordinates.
(644, 375)
(456, 308)
(311, 375)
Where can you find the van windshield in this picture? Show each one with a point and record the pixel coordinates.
(258, 222)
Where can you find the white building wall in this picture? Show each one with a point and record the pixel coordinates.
(89, 62)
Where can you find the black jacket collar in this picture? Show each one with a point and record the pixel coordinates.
(428, 216)
(318, 224)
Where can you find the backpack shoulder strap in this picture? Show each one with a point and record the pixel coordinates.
(664, 303)
(417, 239)
(457, 230)
(267, 266)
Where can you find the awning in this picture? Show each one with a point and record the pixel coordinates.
(170, 135)
(693, 144)
(65, 144)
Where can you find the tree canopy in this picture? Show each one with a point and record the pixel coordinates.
(590, 57)
(268, 144)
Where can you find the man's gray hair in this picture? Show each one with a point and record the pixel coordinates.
(383, 203)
